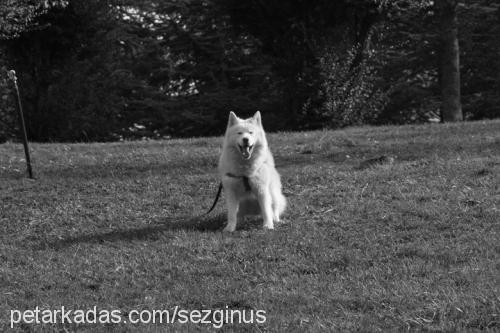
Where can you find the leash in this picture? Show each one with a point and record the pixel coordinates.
(216, 199)
(246, 183)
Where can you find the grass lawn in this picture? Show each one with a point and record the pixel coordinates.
(409, 245)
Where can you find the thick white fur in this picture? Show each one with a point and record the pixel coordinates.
(265, 197)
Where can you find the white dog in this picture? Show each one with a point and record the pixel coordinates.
(251, 183)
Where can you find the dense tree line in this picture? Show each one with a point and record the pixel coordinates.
(104, 70)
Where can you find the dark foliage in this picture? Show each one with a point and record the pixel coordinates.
(70, 78)
(106, 70)
(302, 38)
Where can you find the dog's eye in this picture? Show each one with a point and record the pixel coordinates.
(250, 132)
(240, 133)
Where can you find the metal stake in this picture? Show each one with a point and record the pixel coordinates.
(12, 76)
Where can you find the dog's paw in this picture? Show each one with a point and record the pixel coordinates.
(229, 229)
(268, 227)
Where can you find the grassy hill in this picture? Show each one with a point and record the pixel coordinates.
(408, 244)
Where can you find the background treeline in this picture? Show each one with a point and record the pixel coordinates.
(104, 70)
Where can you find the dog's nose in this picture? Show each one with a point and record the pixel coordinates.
(245, 141)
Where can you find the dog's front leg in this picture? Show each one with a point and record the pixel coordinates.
(232, 213)
(265, 203)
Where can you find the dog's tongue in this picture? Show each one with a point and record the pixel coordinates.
(246, 151)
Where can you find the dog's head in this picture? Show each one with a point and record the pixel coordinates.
(245, 134)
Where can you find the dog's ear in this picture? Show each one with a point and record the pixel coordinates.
(256, 118)
(233, 119)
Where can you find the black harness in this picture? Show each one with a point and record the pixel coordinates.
(246, 183)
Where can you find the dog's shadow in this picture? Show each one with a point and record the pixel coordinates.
(153, 232)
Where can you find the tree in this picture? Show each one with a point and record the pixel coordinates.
(190, 54)
(69, 66)
(409, 38)
(449, 60)
(18, 16)
(479, 25)
(104, 69)
(298, 35)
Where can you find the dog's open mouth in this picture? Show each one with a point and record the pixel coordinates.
(246, 151)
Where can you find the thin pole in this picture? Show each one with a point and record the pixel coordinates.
(12, 76)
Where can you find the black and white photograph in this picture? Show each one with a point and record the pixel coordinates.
(249, 166)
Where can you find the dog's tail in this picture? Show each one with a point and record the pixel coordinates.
(280, 203)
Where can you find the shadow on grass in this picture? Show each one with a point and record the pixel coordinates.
(124, 170)
(199, 223)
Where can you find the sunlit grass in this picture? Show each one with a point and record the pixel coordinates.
(412, 244)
